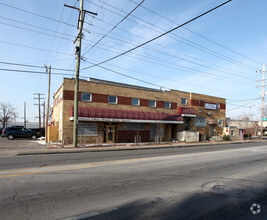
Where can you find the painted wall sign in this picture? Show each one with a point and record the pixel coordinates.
(200, 122)
(210, 106)
(220, 123)
(87, 129)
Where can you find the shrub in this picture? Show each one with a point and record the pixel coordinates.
(226, 137)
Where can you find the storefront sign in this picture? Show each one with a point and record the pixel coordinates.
(210, 106)
(220, 123)
(200, 122)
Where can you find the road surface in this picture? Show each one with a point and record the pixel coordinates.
(207, 182)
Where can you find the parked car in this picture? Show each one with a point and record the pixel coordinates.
(40, 131)
(19, 132)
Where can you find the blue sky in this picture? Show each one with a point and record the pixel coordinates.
(217, 54)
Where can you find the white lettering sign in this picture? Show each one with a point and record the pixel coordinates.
(210, 106)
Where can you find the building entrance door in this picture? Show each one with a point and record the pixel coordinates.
(110, 134)
(212, 130)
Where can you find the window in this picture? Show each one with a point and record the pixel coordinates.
(232, 132)
(167, 105)
(86, 97)
(135, 101)
(112, 99)
(184, 101)
(152, 103)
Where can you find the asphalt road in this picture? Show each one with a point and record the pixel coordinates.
(207, 182)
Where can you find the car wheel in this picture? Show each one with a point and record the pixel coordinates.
(10, 137)
(34, 137)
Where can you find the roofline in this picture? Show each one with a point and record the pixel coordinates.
(58, 90)
(106, 82)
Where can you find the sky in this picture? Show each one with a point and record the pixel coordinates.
(220, 54)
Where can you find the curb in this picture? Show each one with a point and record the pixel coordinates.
(106, 149)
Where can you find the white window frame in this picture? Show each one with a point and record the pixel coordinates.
(138, 100)
(86, 94)
(154, 106)
(169, 106)
(114, 103)
(185, 101)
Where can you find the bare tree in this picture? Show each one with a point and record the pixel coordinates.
(7, 113)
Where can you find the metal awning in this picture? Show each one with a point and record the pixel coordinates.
(120, 115)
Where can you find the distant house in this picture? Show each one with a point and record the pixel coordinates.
(240, 129)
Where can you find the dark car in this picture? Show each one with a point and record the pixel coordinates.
(19, 132)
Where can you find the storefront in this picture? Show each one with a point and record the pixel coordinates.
(124, 126)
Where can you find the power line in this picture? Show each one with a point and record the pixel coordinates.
(161, 62)
(242, 106)
(173, 55)
(33, 13)
(165, 47)
(200, 35)
(39, 32)
(184, 40)
(114, 27)
(112, 58)
(36, 48)
(33, 66)
(35, 72)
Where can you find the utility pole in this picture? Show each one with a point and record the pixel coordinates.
(25, 115)
(48, 101)
(78, 60)
(262, 98)
(43, 114)
(39, 105)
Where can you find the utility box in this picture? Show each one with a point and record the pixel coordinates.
(188, 136)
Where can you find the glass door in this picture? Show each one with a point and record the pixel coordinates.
(110, 134)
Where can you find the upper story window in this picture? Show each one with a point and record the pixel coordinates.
(112, 99)
(135, 101)
(184, 101)
(86, 97)
(152, 103)
(167, 105)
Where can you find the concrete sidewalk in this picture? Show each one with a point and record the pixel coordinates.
(50, 150)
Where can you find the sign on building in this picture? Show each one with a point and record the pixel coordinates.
(210, 106)
(87, 129)
(220, 123)
(200, 122)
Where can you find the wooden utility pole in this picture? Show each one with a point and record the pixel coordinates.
(78, 59)
(262, 98)
(43, 114)
(39, 105)
(25, 115)
(48, 101)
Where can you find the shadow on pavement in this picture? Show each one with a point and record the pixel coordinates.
(206, 205)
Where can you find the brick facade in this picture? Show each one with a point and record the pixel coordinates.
(101, 90)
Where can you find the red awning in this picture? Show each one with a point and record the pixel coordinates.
(85, 112)
(186, 111)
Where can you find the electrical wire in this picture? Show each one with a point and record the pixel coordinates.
(200, 35)
(33, 13)
(184, 41)
(36, 48)
(114, 27)
(161, 35)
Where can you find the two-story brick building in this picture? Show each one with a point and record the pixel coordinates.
(112, 112)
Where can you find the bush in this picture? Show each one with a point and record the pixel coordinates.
(226, 137)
